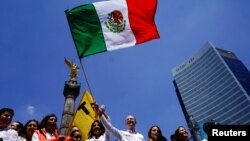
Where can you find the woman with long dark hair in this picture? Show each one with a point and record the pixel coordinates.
(48, 129)
(181, 134)
(155, 134)
(97, 132)
(29, 128)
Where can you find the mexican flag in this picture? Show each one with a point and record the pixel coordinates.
(111, 25)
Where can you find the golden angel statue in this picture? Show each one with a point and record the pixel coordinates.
(73, 68)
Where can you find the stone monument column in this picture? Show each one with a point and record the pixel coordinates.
(71, 92)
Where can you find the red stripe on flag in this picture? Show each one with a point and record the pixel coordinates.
(141, 15)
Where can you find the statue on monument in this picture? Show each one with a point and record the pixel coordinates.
(73, 68)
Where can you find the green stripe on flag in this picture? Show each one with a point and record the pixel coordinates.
(86, 30)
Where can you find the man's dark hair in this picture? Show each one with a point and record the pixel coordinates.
(7, 110)
(208, 125)
(172, 137)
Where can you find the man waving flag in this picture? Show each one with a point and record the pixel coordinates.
(111, 25)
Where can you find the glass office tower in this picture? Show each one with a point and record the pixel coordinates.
(213, 84)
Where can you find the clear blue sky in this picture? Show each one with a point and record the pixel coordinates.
(35, 38)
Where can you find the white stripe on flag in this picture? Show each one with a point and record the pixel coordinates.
(113, 40)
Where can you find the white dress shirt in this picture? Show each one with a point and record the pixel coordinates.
(8, 134)
(122, 135)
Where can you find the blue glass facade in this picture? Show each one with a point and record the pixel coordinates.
(213, 84)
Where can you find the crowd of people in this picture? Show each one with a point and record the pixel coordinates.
(100, 130)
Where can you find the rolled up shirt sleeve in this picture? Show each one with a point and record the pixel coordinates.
(110, 128)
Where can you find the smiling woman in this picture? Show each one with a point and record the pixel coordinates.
(97, 132)
(48, 129)
(29, 128)
(181, 134)
(155, 134)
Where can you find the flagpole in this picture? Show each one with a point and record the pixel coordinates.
(85, 76)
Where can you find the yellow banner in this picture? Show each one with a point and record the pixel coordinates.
(84, 115)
